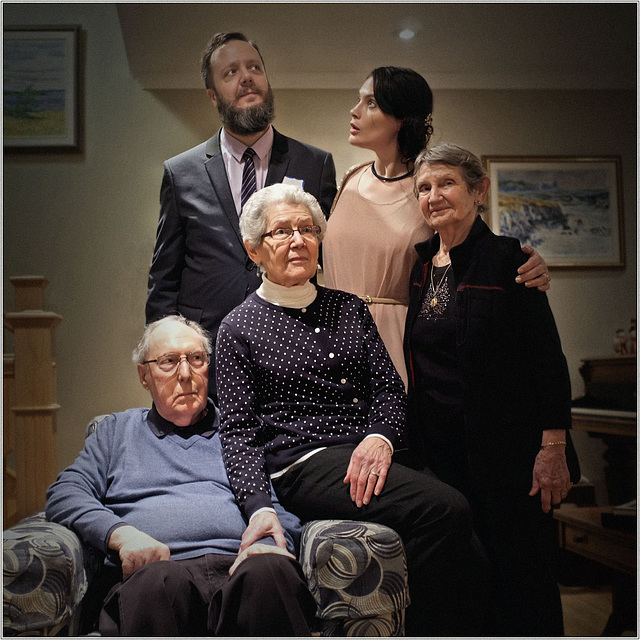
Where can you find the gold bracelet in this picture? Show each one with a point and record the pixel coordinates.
(550, 444)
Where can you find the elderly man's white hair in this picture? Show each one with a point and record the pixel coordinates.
(141, 351)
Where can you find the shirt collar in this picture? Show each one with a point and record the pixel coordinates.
(205, 427)
(234, 147)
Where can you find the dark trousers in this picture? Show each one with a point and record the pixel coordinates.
(520, 541)
(447, 569)
(266, 596)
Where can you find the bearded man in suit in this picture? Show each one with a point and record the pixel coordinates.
(200, 268)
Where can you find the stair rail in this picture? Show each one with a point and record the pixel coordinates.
(30, 405)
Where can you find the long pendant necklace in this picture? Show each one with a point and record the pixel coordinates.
(434, 298)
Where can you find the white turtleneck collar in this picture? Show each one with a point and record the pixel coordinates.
(297, 297)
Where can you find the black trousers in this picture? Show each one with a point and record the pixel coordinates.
(266, 596)
(521, 542)
(519, 539)
(448, 574)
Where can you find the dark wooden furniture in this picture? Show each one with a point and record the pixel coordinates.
(609, 383)
(581, 531)
(608, 410)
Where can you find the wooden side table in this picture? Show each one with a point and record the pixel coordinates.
(581, 532)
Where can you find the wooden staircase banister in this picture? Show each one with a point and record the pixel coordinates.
(30, 460)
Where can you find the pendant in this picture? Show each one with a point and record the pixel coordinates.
(434, 301)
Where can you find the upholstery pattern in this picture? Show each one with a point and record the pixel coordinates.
(44, 576)
(357, 573)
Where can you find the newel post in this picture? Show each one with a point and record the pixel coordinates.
(34, 398)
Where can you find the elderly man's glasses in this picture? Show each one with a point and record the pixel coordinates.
(310, 231)
(169, 362)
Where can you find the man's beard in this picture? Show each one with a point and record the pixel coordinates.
(249, 120)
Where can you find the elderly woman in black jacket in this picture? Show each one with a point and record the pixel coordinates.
(489, 391)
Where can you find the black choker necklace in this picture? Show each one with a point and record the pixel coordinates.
(375, 173)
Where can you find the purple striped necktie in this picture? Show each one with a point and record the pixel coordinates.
(248, 177)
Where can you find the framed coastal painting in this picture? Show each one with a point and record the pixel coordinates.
(41, 99)
(569, 209)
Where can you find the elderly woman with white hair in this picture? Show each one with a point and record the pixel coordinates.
(310, 400)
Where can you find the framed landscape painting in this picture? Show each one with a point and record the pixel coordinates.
(569, 209)
(41, 89)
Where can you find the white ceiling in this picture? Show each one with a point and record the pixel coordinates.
(336, 45)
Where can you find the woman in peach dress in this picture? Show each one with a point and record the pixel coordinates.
(375, 221)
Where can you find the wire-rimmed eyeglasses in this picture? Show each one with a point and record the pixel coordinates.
(169, 362)
(309, 231)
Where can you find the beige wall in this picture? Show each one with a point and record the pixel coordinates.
(87, 222)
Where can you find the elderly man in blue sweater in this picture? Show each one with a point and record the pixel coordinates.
(150, 490)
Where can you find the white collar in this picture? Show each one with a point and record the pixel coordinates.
(297, 297)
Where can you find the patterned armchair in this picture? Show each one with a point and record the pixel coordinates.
(356, 572)
(46, 573)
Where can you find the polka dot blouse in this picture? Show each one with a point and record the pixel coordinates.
(291, 381)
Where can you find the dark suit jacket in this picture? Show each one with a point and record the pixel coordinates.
(200, 268)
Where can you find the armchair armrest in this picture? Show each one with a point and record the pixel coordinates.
(46, 571)
(357, 573)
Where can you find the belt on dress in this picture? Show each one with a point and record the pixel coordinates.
(370, 300)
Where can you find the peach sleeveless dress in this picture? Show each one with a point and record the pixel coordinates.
(369, 250)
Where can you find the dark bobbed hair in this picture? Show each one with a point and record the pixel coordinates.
(452, 155)
(215, 43)
(406, 95)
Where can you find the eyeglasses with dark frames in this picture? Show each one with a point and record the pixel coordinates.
(169, 362)
(310, 232)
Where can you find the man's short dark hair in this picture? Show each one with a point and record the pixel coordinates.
(214, 44)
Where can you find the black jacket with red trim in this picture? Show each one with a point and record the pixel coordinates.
(513, 371)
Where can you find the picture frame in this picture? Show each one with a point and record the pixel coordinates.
(568, 208)
(41, 81)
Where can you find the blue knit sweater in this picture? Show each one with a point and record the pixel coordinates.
(135, 469)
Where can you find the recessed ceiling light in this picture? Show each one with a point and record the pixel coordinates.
(407, 34)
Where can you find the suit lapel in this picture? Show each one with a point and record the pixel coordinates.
(279, 162)
(278, 165)
(220, 183)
